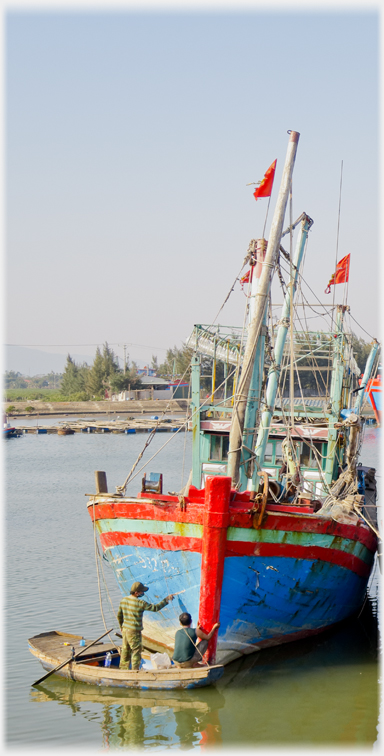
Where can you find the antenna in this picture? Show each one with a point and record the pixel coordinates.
(338, 232)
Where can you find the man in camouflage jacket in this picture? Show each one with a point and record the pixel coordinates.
(130, 619)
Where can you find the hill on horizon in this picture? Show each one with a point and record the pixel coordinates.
(29, 362)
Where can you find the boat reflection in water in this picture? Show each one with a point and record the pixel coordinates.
(324, 689)
(137, 718)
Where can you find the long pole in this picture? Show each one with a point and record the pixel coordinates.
(285, 323)
(255, 327)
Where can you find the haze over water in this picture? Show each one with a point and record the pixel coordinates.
(318, 692)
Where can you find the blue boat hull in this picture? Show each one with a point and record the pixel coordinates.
(264, 602)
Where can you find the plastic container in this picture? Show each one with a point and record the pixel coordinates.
(108, 659)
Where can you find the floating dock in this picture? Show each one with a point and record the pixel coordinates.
(142, 425)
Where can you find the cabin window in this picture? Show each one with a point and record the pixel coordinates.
(215, 447)
(278, 452)
(219, 448)
(272, 454)
(308, 455)
(305, 456)
(268, 456)
(225, 447)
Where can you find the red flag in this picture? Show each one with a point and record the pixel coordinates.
(245, 279)
(341, 275)
(265, 188)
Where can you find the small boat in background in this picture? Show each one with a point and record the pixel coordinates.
(65, 431)
(8, 430)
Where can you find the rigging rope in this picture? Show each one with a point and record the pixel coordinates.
(97, 572)
(121, 489)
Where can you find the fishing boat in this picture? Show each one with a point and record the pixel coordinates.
(88, 665)
(373, 392)
(10, 432)
(275, 533)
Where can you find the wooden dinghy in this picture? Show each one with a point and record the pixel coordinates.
(49, 648)
(65, 431)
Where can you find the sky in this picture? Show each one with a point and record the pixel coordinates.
(130, 137)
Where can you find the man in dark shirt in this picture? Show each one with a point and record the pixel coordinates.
(187, 652)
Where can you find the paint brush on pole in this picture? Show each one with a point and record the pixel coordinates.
(119, 635)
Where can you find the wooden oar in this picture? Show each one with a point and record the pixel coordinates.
(71, 658)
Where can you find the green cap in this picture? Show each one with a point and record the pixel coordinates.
(138, 588)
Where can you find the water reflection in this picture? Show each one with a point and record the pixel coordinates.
(141, 718)
(333, 674)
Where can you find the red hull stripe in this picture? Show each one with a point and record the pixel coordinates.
(151, 541)
(238, 548)
(141, 510)
(293, 551)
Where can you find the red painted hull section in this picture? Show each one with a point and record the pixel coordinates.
(238, 519)
(238, 548)
(276, 589)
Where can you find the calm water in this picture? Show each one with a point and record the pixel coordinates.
(320, 692)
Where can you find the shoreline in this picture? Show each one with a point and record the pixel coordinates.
(106, 407)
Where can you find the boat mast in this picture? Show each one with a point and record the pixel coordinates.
(274, 373)
(195, 413)
(255, 326)
(246, 469)
(336, 393)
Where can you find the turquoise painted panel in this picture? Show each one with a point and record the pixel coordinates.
(301, 538)
(187, 529)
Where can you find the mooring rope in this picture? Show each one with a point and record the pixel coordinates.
(97, 572)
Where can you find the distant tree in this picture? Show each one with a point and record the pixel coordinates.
(361, 350)
(106, 374)
(95, 376)
(110, 361)
(134, 370)
(154, 363)
(122, 381)
(73, 378)
(14, 380)
(177, 363)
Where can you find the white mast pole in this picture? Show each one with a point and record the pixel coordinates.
(254, 330)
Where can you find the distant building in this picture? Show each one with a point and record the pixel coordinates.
(154, 387)
(146, 371)
(179, 390)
